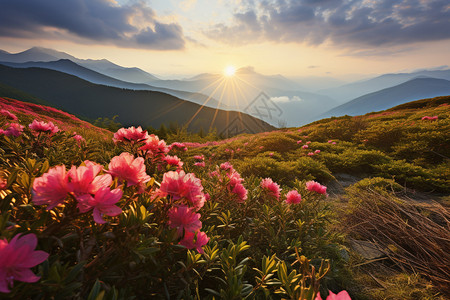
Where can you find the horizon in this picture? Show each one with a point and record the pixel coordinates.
(295, 39)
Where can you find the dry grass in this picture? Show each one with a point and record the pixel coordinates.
(415, 237)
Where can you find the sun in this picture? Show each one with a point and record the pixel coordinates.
(229, 71)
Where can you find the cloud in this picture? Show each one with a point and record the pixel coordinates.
(98, 21)
(350, 23)
(285, 99)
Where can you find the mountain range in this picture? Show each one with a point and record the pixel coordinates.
(286, 102)
(133, 107)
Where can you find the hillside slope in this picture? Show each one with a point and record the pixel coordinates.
(411, 90)
(144, 108)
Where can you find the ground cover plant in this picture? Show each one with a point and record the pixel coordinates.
(86, 213)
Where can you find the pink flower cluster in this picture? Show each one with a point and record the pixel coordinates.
(16, 259)
(130, 134)
(91, 190)
(343, 295)
(200, 161)
(13, 129)
(178, 147)
(129, 169)
(229, 178)
(433, 118)
(271, 188)
(174, 161)
(186, 196)
(316, 187)
(41, 126)
(8, 114)
(154, 147)
(293, 197)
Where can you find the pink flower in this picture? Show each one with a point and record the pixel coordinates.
(154, 146)
(43, 127)
(51, 188)
(308, 142)
(103, 203)
(130, 134)
(311, 153)
(16, 259)
(246, 143)
(129, 169)
(180, 185)
(316, 187)
(333, 143)
(293, 197)
(200, 164)
(226, 166)
(173, 161)
(317, 151)
(14, 129)
(199, 157)
(271, 154)
(183, 217)
(299, 141)
(272, 188)
(78, 138)
(3, 184)
(8, 114)
(260, 147)
(305, 147)
(178, 146)
(190, 242)
(84, 180)
(240, 191)
(330, 141)
(343, 295)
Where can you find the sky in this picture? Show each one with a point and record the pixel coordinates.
(345, 39)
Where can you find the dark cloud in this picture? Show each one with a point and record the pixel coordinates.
(343, 22)
(100, 21)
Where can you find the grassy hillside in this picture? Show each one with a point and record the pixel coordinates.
(145, 108)
(230, 219)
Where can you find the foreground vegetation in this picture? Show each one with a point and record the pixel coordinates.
(129, 216)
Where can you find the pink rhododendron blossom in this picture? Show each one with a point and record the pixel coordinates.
(200, 164)
(195, 241)
(84, 180)
(183, 217)
(16, 259)
(8, 114)
(173, 161)
(333, 143)
(130, 134)
(293, 197)
(272, 188)
(51, 188)
(130, 169)
(13, 129)
(343, 295)
(308, 142)
(38, 126)
(330, 141)
(226, 166)
(316, 187)
(317, 151)
(154, 146)
(78, 138)
(299, 141)
(260, 147)
(103, 203)
(271, 154)
(178, 146)
(3, 184)
(180, 185)
(199, 157)
(240, 191)
(311, 153)
(305, 147)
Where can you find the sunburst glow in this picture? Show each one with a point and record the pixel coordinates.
(229, 71)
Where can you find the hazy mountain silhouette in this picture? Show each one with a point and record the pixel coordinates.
(69, 67)
(103, 66)
(415, 89)
(133, 107)
(350, 91)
